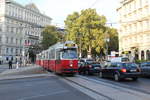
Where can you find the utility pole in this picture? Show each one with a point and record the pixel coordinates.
(80, 55)
(106, 41)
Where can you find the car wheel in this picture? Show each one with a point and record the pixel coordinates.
(79, 73)
(87, 72)
(100, 74)
(116, 77)
(134, 79)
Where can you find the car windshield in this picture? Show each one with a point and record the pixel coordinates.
(69, 54)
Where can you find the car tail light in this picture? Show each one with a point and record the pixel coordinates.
(123, 70)
(90, 66)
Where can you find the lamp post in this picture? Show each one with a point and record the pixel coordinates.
(107, 41)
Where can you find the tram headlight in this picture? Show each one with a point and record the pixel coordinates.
(71, 65)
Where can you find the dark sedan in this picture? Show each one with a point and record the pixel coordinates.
(145, 69)
(120, 71)
(89, 68)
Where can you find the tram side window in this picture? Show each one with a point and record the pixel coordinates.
(53, 54)
(58, 55)
(50, 56)
(47, 56)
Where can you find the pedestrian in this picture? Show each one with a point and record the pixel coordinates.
(17, 65)
(10, 64)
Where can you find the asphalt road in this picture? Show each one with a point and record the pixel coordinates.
(142, 84)
(44, 88)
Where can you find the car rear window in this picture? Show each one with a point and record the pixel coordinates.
(147, 64)
(124, 65)
(96, 65)
(125, 59)
(130, 65)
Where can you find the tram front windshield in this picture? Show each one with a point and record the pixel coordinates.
(69, 54)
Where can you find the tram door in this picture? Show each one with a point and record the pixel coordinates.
(58, 66)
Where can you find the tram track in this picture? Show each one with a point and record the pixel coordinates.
(140, 95)
(102, 89)
(118, 84)
(89, 89)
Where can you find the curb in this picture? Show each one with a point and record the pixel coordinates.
(25, 76)
(23, 71)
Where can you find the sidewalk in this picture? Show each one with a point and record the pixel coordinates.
(29, 70)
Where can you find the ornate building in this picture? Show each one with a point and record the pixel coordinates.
(134, 29)
(20, 27)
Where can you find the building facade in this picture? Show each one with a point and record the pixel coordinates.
(134, 28)
(20, 27)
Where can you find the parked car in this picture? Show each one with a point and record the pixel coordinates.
(120, 70)
(89, 68)
(145, 69)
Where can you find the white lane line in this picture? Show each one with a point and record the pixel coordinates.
(43, 95)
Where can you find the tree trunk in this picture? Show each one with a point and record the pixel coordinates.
(89, 52)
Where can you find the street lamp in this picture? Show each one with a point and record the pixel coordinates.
(107, 41)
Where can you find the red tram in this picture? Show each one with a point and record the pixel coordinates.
(60, 58)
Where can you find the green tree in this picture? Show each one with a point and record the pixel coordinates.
(71, 26)
(87, 26)
(50, 36)
(113, 44)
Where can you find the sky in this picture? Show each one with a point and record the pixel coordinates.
(58, 10)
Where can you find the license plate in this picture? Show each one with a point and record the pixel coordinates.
(133, 70)
(96, 68)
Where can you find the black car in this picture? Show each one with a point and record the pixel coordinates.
(89, 68)
(145, 69)
(120, 71)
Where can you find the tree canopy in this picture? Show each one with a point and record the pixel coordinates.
(88, 29)
(50, 36)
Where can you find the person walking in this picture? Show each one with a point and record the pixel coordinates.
(17, 64)
(10, 64)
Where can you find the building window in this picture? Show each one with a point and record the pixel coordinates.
(12, 40)
(7, 39)
(0, 50)
(12, 29)
(7, 50)
(20, 51)
(7, 58)
(0, 39)
(16, 51)
(20, 41)
(142, 55)
(12, 50)
(147, 55)
(16, 41)
(0, 28)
